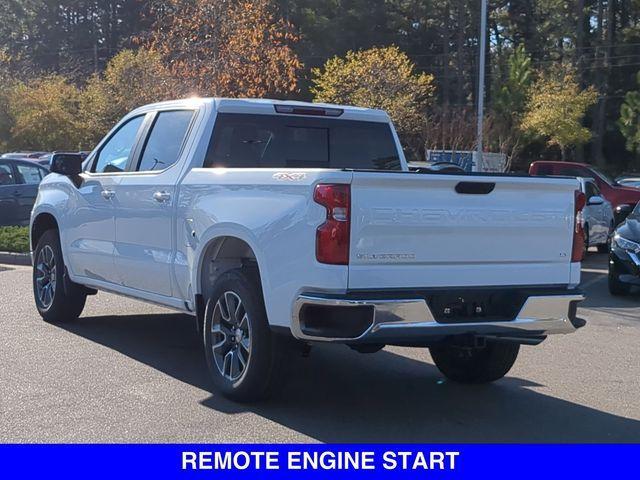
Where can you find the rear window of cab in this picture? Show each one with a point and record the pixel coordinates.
(289, 141)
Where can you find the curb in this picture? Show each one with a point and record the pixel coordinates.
(15, 258)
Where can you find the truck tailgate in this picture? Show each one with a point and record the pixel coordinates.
(411, 230)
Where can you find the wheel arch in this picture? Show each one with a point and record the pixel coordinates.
(41, 223)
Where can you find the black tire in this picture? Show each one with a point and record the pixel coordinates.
(475, 365)
(606, 247)
(63, 302)
(262, 356)
(616, 287)
(586, 240)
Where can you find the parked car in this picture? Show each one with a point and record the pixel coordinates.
(624, 257)
(598, 219)
(23, 155)
(623, 199)
(629, 181)
(19, 180)
(268, 220)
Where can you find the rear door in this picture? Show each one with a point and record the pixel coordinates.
(145, 204)
(9, 211)
(427, 230)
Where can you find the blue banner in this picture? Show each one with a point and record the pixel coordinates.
(300, 461)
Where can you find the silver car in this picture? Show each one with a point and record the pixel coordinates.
(598, 216)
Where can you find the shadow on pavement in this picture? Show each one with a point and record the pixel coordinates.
(338, 395)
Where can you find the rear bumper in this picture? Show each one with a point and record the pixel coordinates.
(411, 321)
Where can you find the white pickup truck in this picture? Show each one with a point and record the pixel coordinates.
(268, 219)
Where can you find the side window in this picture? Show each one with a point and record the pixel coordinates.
(114, 154)
(544, 169)
(590, 190)
(6, 175)
(165, 140)
(571, 171)
(31, 175)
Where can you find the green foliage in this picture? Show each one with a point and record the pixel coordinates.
(14, 239)
(377, 78)
(556, 110)
(510, 97)
(629, 121)
(509, 102)
(45, 114)
(131, 79)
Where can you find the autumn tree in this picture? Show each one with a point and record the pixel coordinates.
(131, 79)
(382, 78)
(45, 114)
(227, 47)
(556, 109)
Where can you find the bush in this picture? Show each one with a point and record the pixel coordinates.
(14, 239)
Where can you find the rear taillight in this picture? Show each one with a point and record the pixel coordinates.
(578, 231)
(332, 237)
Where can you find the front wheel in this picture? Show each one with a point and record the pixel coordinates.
(55, 301)
(241, 350)
(475, 364)
(616, 287)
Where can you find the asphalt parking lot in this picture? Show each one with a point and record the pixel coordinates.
(130, 372)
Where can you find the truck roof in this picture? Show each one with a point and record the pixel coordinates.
(268, 106)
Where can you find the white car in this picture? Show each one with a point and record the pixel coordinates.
(598, 217)
(270, 220)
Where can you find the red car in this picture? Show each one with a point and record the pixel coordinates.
(618, 195)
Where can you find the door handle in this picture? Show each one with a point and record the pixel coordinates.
(162, 197)
(16, 193)
(107, 194)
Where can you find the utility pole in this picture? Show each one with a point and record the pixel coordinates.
(481, 68)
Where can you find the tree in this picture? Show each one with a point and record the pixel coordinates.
(556, 110)
(227, 48)
(629, 121)
(45, 114)
(131, 79)
(378, 78)
(509, 102)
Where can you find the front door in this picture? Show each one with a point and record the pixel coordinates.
(90, 234)
(145, 206)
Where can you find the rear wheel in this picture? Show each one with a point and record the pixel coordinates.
(616, 287)
(475, 364)
(242, 352)
(57, 301)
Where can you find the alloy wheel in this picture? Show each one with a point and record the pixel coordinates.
(46, 276)
(231, 336)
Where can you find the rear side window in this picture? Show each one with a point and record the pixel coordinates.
(164, 143)
(591, 190)
(264, 141)
(31, 175)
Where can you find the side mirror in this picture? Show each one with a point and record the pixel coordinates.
(622, 212)
(596, 200)
(69, 164)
